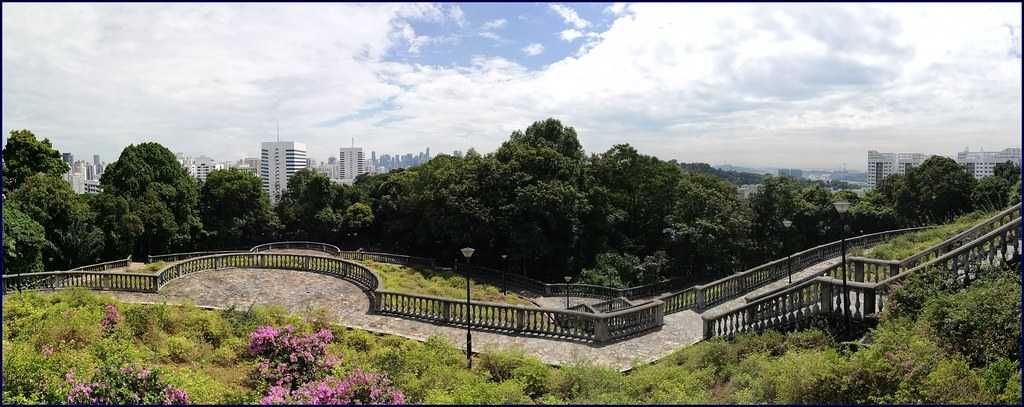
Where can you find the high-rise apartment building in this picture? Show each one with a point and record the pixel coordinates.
(279, 160)
(199, 167)
(881, 165)
(981, 164)
(68, 158)
(351, 162)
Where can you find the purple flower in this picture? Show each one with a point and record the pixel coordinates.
(111, 319)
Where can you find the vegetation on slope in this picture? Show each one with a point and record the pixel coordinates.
(910, 244)
(932, 346)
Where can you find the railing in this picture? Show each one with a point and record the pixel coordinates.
(356, 273)
(517, 319)
(113, 264)
(877, 270)
(793, 306)
(701, 297)
(171, 257)
(55, 280)
(388, 258)
(603, 307)
(297, 245)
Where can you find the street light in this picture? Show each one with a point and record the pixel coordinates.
(567, 278)
(504, 272)
(467, 252)
(789, 263)
(842, 207)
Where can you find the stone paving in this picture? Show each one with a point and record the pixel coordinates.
(303, 291)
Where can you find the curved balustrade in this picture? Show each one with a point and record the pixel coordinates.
(113, 264)
(297, 245)
(170, 257)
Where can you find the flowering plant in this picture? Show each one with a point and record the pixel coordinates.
(111, 318)
(125, 385)
(357, 388)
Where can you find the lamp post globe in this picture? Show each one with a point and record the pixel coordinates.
(467, 252)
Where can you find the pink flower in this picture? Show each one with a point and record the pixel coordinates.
(111, 319)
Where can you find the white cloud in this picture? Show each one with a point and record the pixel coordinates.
(456, 15)
(764, 85)
(615, 9)
(569, 16)
(533, 49)
(494, 24)
(570, 35)
(490, 35)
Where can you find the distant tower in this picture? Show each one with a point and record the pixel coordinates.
(278, 162)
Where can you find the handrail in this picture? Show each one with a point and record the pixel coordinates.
(107, 265)
(297, 244)
(794, 305)
(577, 289)
(878, 269)
(153, 258)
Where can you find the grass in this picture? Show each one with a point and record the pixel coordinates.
(148, 268)
(427, 281)
(912, 243)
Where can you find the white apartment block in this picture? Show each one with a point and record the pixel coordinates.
(92, 186)
(982, 164)
(278, 162)
(881, 165)
(351, 163)
(199, 167)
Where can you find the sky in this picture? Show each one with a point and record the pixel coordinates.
(793, 85)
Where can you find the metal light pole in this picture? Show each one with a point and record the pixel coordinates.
(504, 272)
(842, 207)
(567, 279)
(468, 253)
(789, 261)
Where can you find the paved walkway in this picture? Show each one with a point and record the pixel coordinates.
(300, 292)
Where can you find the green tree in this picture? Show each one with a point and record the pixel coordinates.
(1008, 171)
(159, 193)
(358, 216)
(235, 210)
(708, 232)
(777, 200)
(937, 190)
(24, 240)
(991, 192)
(121, 227)
(25, 156)
(73, 239)
(312, 208)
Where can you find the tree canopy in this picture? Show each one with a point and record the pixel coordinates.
(25, 156)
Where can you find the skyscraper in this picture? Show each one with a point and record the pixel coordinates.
(981, 164)
(351, 162)
(279, 160)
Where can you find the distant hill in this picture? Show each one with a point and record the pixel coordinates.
(733, 177)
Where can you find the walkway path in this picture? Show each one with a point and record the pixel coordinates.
(301, 291)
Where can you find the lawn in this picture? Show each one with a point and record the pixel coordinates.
(428, 281)
(147, 268)
(912, 243)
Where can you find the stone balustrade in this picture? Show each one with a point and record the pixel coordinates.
(113, 264)
(172, 257)
(793, 306)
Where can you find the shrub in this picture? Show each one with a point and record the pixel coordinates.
(795, 377)
(982, 323)
(535, 377)
(111, 318)
(582, 381)
(202, 388)
(181, 349)
(125, 385)
(669, 385)
(996, 376)
(480, 392)
(357, 388)
(499, 364)
(288, 360)
(952, 381)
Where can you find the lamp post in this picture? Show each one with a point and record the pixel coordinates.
(842, 207)
(567, 279)
(467, 252)
(789, 261)
(504, 272)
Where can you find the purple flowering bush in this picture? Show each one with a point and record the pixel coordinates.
(294, 368)
(125, 385)
(111, 319)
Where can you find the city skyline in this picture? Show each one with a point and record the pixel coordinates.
(754, 85)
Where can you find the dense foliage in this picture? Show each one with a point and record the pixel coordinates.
(25, 156)
(618, 217)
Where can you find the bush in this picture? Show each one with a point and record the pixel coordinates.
(583, 382)
(181, 349)
(669, 385)
(982, 323)
(124, 385)
(952, 381)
